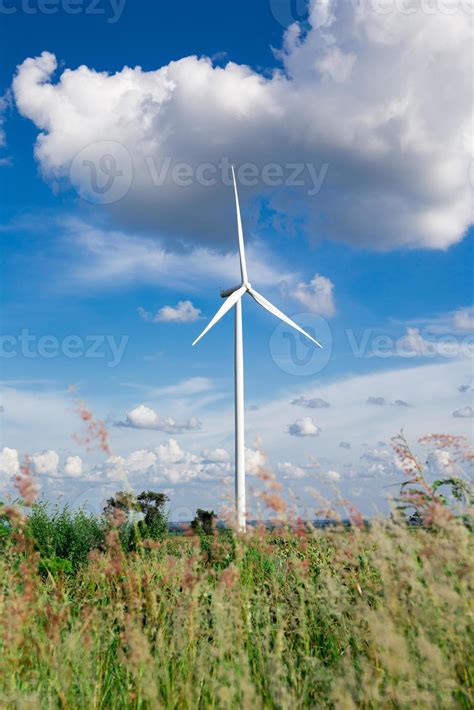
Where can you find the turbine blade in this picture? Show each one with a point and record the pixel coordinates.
(243, 263)
(276, 312)
(226, 306)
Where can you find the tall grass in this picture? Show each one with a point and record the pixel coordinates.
(345, 618)
(99, 613)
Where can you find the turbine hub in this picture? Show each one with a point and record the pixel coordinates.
(247, 285)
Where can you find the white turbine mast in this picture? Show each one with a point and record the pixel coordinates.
(233, 298)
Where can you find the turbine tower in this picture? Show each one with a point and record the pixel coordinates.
(233, 298)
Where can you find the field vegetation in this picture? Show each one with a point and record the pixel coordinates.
(113, 611)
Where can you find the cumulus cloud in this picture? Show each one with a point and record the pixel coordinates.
(168, 463)
(73, 467)
(463, 319)
(344, 445)
(464, 413)
(440, 463)
(183, 312)
(255, 461)
(311, 403)
(457, 322)
(379, 462)
(216, 456)
(140, 460)
(46, 463)
(143, 417)
(316, 296)
(414, 344)
(390, 149)
(9, 465)
(290, 470)
(304, 427)
(401, 403)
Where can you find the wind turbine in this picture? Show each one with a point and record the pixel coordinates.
(233, 298)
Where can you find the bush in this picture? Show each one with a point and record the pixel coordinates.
(204, 522)
(64, 534)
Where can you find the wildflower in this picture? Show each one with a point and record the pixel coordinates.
(25, 484)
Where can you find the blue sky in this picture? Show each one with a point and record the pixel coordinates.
(372, 248)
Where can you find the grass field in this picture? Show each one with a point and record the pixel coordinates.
(341, 618)
(112, 611)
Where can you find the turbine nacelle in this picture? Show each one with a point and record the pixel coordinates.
(226, 292)
(234, 294)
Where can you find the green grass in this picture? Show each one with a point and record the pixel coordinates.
(340, 618)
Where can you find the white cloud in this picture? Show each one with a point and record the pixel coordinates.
(168, 463)
(332, 476)
(73, 468)
(290, 470)
(398, 162)
(463, 319)
(458, 322)
(110, 257)
(183, 312)
(312, 403)
(444, 336)
(216, 456)
(38, 417)
(380, 462)
(255, 461)
(143, 417)
(317, 295)
(415, 344)
(464, 413)
(186, 388)
(9, 465)
(140, 460)
(46, 463)
(440, 463)
(304, 427)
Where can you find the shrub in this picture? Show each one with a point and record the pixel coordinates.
(62, 533)
(204, 522)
